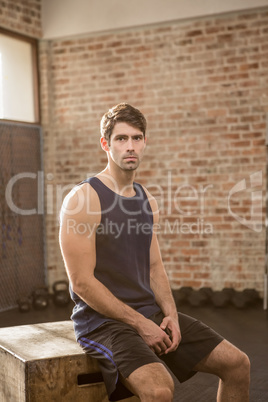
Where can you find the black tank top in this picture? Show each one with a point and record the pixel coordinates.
(123, 240)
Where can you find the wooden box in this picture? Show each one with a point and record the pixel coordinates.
(44, 363)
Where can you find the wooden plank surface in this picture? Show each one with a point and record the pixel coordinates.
(42, 362)
(40, 341)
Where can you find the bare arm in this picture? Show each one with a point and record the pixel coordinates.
(77, 242)
(161, 288)
(80, 217)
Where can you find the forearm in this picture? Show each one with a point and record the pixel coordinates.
(164, 298)
(100, 299)
(97, 296)
(163, 295)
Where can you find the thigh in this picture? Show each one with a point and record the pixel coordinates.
(120, 351)
(198, 340)
(223, 357)
(147, 378)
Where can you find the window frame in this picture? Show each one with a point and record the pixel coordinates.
(35, 68)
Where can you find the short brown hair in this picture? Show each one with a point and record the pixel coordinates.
(124, 113)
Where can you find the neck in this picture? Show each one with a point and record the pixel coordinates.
(120, 181)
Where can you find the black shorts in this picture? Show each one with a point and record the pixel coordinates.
(121, 350)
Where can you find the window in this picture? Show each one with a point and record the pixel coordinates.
(18, 78)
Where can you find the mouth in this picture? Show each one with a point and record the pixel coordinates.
(130, 158)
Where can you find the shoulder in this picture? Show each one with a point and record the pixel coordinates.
(82, 202)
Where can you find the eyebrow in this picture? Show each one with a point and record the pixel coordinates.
(129, 135)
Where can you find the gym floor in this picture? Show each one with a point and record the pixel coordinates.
(247, 329)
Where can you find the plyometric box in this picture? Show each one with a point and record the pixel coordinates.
(43, 363)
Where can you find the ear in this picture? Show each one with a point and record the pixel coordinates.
(104, 144)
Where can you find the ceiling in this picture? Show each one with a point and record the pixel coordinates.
(65, 18)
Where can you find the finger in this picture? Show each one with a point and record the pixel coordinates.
(165, 328)
(158, 350)
(167, 341)
(172, 331)
(175, 344)
(162, 346)
(163, 324)
(172, 348)
(175, 338)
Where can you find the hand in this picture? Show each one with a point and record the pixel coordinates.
(171, 326)
(155, 337)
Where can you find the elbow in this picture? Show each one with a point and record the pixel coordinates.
(80, 286)
(75, 286)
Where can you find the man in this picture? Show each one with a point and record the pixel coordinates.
(124, 313)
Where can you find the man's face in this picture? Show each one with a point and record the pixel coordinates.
(126, 147)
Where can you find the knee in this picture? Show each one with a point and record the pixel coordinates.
(159, 392)
(245, 364)
(242, 362)
(240, 367)
(162, 394)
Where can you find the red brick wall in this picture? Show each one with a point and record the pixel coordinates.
(21, 16)
(203, 86)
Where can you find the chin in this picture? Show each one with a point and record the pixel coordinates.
(130, 167)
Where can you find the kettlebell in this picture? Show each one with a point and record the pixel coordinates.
(40, 298)
(61, 295)
(24, 304)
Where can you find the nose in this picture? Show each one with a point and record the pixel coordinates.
(130, 146)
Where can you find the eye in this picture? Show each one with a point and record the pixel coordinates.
(138, 138)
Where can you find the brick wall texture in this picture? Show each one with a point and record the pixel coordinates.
(21, 16)
(203, 86)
